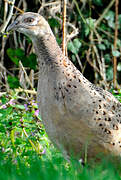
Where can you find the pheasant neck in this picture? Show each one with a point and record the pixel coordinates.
(51, 59)
(47, 49)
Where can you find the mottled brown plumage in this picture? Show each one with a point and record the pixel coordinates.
(75, 112)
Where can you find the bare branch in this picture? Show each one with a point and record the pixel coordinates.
(8, 18)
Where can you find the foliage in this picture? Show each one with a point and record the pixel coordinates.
(21, 130)
(18, 54)
(13, 82)
(27, 153)
(74, 46)
(57, 169)
(117, 94)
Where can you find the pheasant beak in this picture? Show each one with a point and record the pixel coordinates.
(12, 26)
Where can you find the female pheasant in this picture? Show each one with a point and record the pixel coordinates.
(75, 112)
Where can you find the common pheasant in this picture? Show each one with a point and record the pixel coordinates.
(76, 113)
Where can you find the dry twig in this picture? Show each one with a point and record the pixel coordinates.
(3, 27)
(64, 27)
(115, 45)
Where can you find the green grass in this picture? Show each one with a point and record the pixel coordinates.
(26, 152)
(56, 168)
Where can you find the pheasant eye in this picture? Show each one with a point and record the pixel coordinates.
(28, 20)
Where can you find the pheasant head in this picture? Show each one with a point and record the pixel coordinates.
(31, 24)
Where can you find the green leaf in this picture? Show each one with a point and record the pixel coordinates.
(90, 22)
(109, 73)
(109, 16)
(111, 24)
(2, 128)
(31, 61)
(110, 19)
(118, 43)
(77, 43)
(6, 112)
(119, 66)
(87, 30)
(3, 99)
(53, 22)
(107, 43)
(107, 58)
(116, 53)
(13, 82)
(11, 54)
(98, 2)
(71, 47)
(18, 54)
(19, 106)
(15, 55)
(1, 115)
(74, 46)
(73, 58)
(101, 46)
